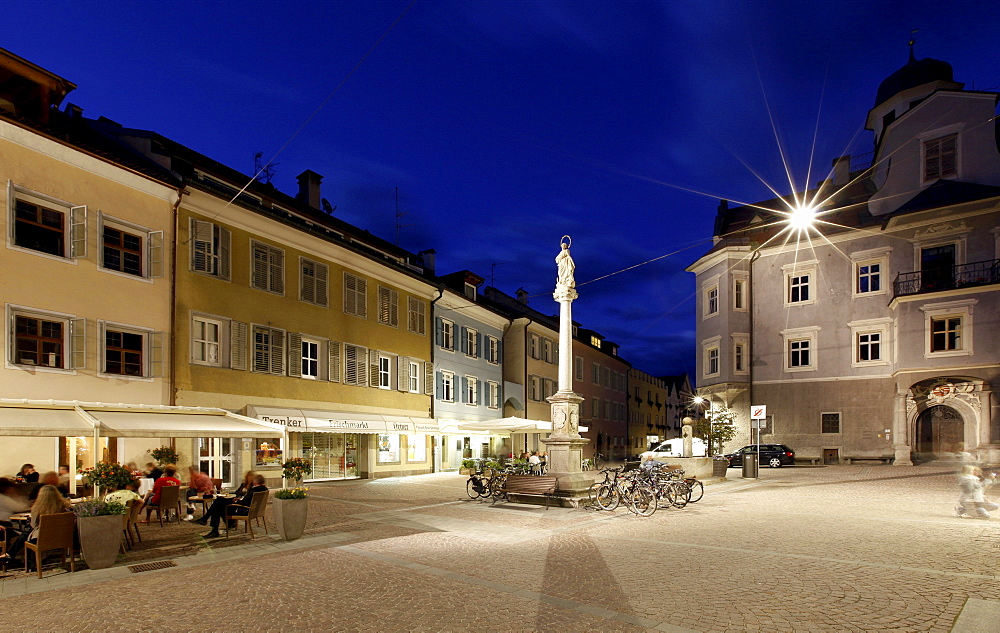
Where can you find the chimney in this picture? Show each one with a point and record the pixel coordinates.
(841, 171)
(522, 296)
(427, 259)
(309, 188)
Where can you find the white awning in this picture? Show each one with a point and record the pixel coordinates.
(503, 426)
(144, 423)
(43, 422)
(316, 421)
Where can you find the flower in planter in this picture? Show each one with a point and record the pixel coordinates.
(107, 475)
(300, 492)
(97, 508)
(296, 468)
(165, 455)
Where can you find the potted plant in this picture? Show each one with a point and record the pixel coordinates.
(107, 475)
(290, 510)
(291, 504)
(99, 525)
(468, 467)
(165, 455)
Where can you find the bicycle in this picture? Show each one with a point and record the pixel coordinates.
(599, 461)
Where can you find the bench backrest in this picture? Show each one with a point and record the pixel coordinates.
(530, 484)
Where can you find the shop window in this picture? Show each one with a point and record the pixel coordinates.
(388, 449)
(416, 448)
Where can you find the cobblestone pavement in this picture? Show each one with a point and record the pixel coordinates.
(840, 548)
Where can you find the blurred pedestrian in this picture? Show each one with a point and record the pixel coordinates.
(972, 500)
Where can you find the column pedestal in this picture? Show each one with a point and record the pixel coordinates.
(564, 448)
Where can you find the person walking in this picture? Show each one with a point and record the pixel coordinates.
(972, 500)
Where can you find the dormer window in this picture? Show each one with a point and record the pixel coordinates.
(941, 157)
(596, 342)
(470, 291)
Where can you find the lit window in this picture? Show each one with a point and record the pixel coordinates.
(946, 334)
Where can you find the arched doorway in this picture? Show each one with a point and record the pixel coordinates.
(940, 429)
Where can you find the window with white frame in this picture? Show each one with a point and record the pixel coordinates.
(471, 391)
(800, 349)
(268, 271)
(493, 350)
(41, 339)
(210, 249)
(355, 295)
(948, 328)
(128, 250)
(471, 343)
(414, 377)
(127, 351)
(711, 301)
(447, 391)
(206, 341)
(740, 346)
(46, 225)
(940, 157)
(871, 341)
(446, 334)
(493, 395)
(388, 307)
(268, 350)
(536, 388)
(799, 281)
(384, 372)
(416, 316)
(710, 357)
(313, 282)
(534, 346)
(739, 293)
(869, 276)
(547, 350)
(310, 358)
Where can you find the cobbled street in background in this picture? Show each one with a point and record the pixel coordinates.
(839, 548)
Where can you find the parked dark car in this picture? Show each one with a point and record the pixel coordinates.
(773, 455)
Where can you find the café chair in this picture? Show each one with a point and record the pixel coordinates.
(170, 499)
(255, 512)
(55, 531)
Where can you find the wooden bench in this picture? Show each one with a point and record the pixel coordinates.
(885, 459)
(535, 485)
(812, 460)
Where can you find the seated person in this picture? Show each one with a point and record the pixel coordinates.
(219, 506)
(48, 479)
(201, 484)
(153, 471)
(49, 502)
(126, 494)
(64, 479)
(153, 496)
(28, 474)
(10, 503)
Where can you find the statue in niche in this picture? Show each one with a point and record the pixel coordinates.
(565, 280)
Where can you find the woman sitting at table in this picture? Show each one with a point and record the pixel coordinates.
(247, 483)
(49, 501)
(218, 509)
(168, 479)
(28, 474)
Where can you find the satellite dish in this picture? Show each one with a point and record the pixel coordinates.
(327, 208)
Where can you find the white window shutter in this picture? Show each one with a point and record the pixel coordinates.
(154, 254)
(362, 298)
(258, 276)
(225, 240)
(276, 270)
(201, 246)
(77, 343)
(307, 281)
(351, 367)
(361, 366)
(403, 373)
(295, 354)
(333, 365)
(393, 308)
(321, 284)
(238, 345)
(428, 379)
(278, 351)
(373, 367)
(11, 203)
(78, 231)
(383, 305)
(155, 365)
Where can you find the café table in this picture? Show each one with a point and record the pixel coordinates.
(145, 485)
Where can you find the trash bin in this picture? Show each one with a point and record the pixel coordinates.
(750, 466)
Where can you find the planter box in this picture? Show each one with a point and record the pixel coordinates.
(466, 471)
(100, 539)
(290, 517)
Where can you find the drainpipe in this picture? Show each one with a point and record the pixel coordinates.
(172, 387)
(753, 257)
(435, 453)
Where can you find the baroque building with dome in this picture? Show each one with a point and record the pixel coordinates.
(879, 340)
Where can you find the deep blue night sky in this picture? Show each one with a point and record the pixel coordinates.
(508, 124)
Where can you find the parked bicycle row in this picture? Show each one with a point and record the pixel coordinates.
(643, 490)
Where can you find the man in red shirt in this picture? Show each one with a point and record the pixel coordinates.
(168, 479)
(201, 484)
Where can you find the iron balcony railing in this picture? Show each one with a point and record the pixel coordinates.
(935, 280)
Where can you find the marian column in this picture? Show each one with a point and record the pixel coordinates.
(565, 446)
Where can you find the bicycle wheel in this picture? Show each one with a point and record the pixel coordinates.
(598, 462)
(496, 486)
(608, 497)
(697, 491)
(592, 493)
(678, 494)
(472, 485)
(642, 501)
